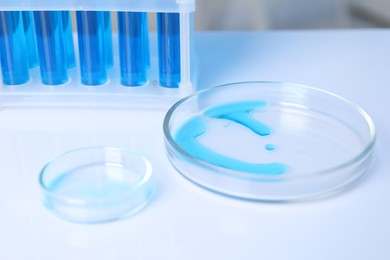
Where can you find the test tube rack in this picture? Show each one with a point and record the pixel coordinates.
(71, 82)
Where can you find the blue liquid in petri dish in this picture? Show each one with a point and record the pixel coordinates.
(13, 53)
(90, 29)
(132, 48)
(239, 112)
(168, 36)
(186, 137)
(90, 184)
(51, 49)
(270, 147)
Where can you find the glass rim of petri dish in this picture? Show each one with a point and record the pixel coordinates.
(365, 152)
(144, 180)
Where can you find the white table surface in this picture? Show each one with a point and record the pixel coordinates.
(186, 222)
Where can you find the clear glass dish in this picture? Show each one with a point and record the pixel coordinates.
(269, 141)
(96, 184)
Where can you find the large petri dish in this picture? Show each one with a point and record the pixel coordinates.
(269, 141)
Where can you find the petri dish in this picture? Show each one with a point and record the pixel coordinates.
(269, 141)
(97, 184)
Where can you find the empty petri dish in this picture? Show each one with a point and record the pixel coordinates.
(97, 184)
(269, 141)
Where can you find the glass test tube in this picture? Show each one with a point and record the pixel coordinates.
(108, 40)
(168, 31)
(50, 41)
(68, 39)
(29, 33)
(13, 54)
(146, 39)
(132, 48)
(90, 28)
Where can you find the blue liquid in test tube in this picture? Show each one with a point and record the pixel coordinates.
(51, 49)
(145, 32)
(132, 48)
(90, 28)
(13, 54)
(168, 31)
(68, 39)
(108, 40)
(29, 33)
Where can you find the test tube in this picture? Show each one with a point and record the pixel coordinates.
(68, 39)
(29, 33)
(146, 39)
(13, 54)
(168, 31)
(108, 40)
(90, 28)
(51, 49)
(132, 48)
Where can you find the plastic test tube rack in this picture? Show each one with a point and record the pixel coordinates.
(41, 59)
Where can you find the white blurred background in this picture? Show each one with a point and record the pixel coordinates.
(211, 15)
(291, 14)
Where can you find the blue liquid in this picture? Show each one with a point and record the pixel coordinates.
(51, 49)
(145, 32)
(187, 136)
(89, 185)
(270, 147)
(168, 31)
(240, 113)
(29, 33)
(132, 48)
(90, 27)
(68, 39)
(108, 40)
(13, 54)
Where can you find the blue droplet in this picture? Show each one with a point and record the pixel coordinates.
(270, 147)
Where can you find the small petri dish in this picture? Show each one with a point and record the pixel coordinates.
(269, 141)
(97, 184)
